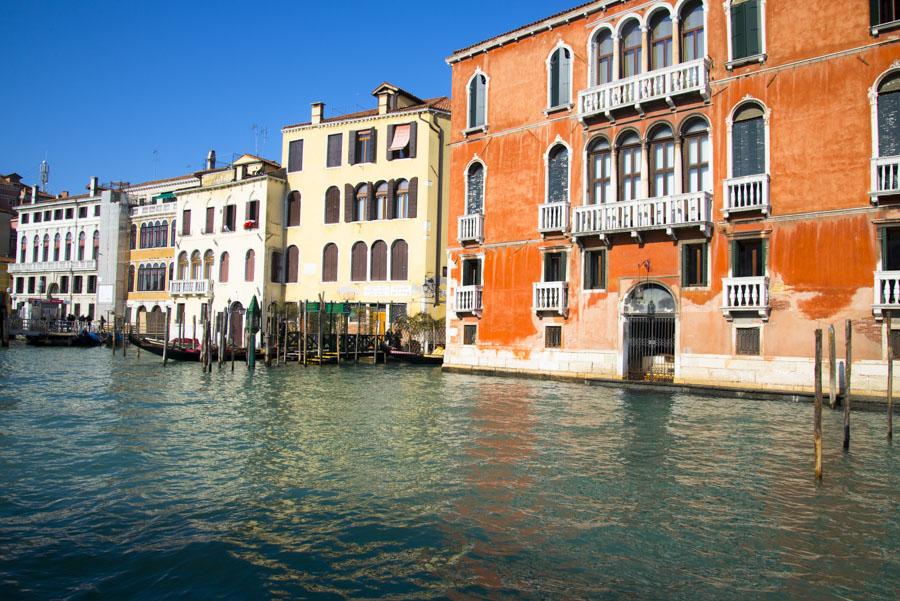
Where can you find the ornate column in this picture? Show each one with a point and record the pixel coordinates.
(645, 49)
(676, 40)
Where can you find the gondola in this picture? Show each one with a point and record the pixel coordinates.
(416, 358)
(184, 349)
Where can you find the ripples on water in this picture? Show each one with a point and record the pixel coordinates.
(120, 479)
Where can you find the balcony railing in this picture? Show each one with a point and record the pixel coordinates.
(190, 287)
(154, 209)
(660, 84)
(747, 193)
(471, 228)
(39, 267)
(693, 209)
(553, 217)
(885, 176)
(551, 296)
(746, 294)
(887, 291)
(468, 299)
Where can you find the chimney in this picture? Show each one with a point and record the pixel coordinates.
(93, 186)
(384, 103)
(318, 111)
(64, 194)
(211, 160)
(34, 195)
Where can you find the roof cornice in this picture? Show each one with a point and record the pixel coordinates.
(337, 122)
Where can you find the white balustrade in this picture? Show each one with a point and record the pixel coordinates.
(38, 267)
(887, 291)
(153, 209)
(553, 217)
(468, 299)
(886, 175)
(664, 212)
(747, 193)
(746, 294)
(190, 287)
(659, 84)
(471, 228)
(551, 296)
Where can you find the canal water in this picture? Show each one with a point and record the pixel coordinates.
(121, 479)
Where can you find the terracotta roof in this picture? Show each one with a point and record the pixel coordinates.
(159, 181)
(439, 103)
(602, 4)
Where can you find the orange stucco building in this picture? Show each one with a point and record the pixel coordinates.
(677, 191)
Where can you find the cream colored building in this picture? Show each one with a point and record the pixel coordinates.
(366, 211)
(228, 247)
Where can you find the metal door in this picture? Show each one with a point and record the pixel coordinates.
(651, 348)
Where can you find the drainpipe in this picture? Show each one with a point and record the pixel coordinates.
(440, 211)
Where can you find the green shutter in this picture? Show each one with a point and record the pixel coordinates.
(874, 16)
(684, 266)
(751, 19)
(882, 232)
(738, 31)
(762, 259)
(704, 277)
(733, 259)
(603, 269)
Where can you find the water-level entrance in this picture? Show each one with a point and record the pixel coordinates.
(650, 334)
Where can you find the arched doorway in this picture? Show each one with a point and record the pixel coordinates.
(650, 333)
(156, 323)
(236, 325)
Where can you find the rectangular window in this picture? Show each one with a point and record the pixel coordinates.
(228, 218)
(884, 11)
(70, 213)
(20, 285)
(748, 258)
(179, 313)
(76, 284)
(210, 220)
(186, 222)
(894, 342)
(555, 267)
(295, 155)
(25, 217)
(745, 29)
(470, 334)
(471, 272)
(364, 147)
(47, 216)
(890, 249)
(77, 310)
(57, 214)
(335, 143)
(694, 259)
(91, 284)
(31, 284)
(251, 212)
(90, 313)
(38, 217)
(553, 336)
(595, 270)
(747, 341)
(402, 142)
(96, 210)
(82, 212)
(64, 284)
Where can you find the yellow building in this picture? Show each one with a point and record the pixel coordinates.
(366, 212)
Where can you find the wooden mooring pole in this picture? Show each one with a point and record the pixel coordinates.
(125, 328)
(305, 341)
(890, 377)
(848, 369)
(4, 322)
(356, 338)
(166, 337)
(832, 368)
(817, 413)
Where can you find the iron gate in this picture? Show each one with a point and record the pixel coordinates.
(651, 348)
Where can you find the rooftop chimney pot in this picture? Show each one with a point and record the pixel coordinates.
(211, 160)
(318, 112)
(93, 186)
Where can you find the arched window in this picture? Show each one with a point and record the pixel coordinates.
(358, 262)
(171, 271)
(693, 40)
(477, 100)
(748, 141)
(45, 255)
(208, 260)
(196, 265)
(559, 74)
(293, 209)
(330, 263)
(23, 250)
(67, 252)
(660, 40)
(56, 245)
(631, 49)
(154, 235)
(629, 166)
(401, 200)
(558, 174)
(250, 266)
(95, 253)
(695, 155)
(172, 235)
(131, 277)
(143, 235)
(182, 266)
(81, 240)
(399, 260)
(362, 198)
(475, 189)
(132, 241)
(275, 268)
(888, 107)
(379, 261)
(292, 265)
(223, 267)
(141, 283)
(381, 198)
(164, 233)
(662, 161)
(600, 171)
(603, 57)
(332, 205)
(36, 249)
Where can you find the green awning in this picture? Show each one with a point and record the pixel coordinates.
(165, 196)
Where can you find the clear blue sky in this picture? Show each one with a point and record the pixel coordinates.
(97, 86)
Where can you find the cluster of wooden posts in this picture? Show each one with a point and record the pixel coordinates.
(833, 387)
(4, 322)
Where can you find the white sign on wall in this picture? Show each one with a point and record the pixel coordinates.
(105, 294)
(309, 269)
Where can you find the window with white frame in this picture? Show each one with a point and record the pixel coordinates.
(662, 161)
(693, 38)
(558, 174)
(475, 189)
(748, 141)
(559, 74)
(599, 171)
(746, 40)
(631, 49)
(696, 155)
(888, 107)
(604, 52)
(660, 40)
(477, 101)
(629, 166)
(594, 269)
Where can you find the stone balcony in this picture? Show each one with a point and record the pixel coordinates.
(885, 177)
(664, 84)
(190, 287)
(468, 299)
(553, 218)
(747, 194)
(470, 228)
(65, 266)
(748, 294)
(887, 292)
(163, 208)
(666, 213)
(551, 297)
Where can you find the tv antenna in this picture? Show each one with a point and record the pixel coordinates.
(45, 174)
(259, 131)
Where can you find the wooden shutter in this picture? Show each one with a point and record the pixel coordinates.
(874, 16)
(739, 31)
(473, 102)
(704, 264)
(351, 148)
(295, 155)
(186, 222)
(413, 197)
(413, 136)
(358, 262)
(565, 75)
(334, 149)
(685, 262)
(763, 252)
(373, 146)
(389, 141)
(399, 260)
(293, 264)
(349, 199)
(371, 213)
(379, 261)
(751, 18)
(391, 193)
(481, 103)
(555, 79)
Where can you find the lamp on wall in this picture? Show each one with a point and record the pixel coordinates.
(639, 293)
(428, 287)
